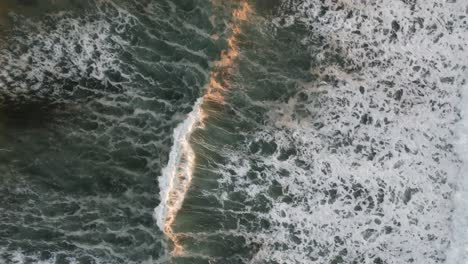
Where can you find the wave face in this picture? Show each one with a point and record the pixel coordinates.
(91, 94)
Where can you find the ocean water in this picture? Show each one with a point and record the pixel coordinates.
(222, 131)
(91, 93)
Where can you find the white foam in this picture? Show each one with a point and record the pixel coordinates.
(74, 49)
(459, 249)
(18, 257)
(386, 152)
(176, 176)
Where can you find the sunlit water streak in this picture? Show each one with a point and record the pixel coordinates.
(177, 175)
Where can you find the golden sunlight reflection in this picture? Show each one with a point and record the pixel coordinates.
(218, 84)
(181, 174)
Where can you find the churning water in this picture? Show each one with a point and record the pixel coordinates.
(233, 131)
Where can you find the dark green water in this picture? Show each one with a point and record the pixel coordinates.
(91, 92)
(218, 220)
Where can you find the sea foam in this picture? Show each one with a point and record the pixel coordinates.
(177, 175)
(459, 248)
(368, 173)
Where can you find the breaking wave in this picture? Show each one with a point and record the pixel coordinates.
(177, 175)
